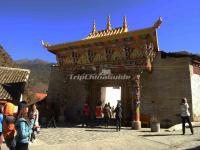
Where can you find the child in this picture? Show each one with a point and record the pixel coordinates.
(23, 128)
(33, 116)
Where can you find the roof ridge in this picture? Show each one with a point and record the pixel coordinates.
(10, 68)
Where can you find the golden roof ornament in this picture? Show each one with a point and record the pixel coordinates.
(94, 27)
(109, 24)
(158, 22)
(108, 31)
(125, 24)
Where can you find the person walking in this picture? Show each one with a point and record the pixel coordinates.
(107, 115)
(185, 115)
(112, 112)
(109, 105)
(52, 116)
(34, 116)
(1, 127)
(23, 127)
(9, 125)
(85, 115)
(118, 116)
(99, 114)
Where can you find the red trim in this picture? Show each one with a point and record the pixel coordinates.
(196, 70)
(40, 96)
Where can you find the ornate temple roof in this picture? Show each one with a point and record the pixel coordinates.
(109, 31)
(102, 35)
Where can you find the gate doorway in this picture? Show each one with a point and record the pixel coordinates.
(102, 92)
(111, 94)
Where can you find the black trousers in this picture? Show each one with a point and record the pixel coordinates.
(118, 124)
(10, 143)
(106, 120)
(32, 135)
(21, 146)
(51, 121)
(184, 120)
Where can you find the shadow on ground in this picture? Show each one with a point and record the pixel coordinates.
(195, 148)
(101, 130)
(151, 135)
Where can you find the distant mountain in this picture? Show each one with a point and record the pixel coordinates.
(40, 73)
(40, 70)
(31, 62)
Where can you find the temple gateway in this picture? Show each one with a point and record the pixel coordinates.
(156, 81)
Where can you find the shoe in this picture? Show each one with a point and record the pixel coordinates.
(32, 141)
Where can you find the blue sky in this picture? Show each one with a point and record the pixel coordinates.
(24, 23)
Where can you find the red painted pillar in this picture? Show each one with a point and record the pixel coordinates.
(136, 124)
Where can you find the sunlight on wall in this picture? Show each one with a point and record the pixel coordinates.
(112, 95)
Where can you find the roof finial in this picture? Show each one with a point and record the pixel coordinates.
(158, 22)
(125, 24)
(94, 27)
(108, 23)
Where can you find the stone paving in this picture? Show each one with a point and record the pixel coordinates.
(77, 138)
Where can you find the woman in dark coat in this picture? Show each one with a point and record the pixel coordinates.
(118, 116)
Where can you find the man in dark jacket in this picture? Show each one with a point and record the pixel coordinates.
(118, 116)
(52, 115)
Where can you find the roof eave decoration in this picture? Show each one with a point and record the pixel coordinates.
(158, 23)
(45, 44)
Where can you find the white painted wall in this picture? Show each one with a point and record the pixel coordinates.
(195, 85)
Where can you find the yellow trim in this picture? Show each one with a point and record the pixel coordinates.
(54, 48)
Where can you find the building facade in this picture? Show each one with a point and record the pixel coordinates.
(157, 80)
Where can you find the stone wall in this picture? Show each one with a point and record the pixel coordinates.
(163, 88)
(161, 91)
(195, 85)
(69, 95)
